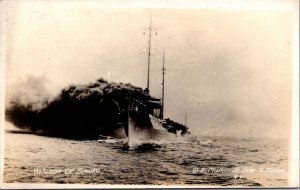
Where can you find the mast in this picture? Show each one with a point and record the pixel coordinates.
(163, 87)
(150, 29)
(149, 52)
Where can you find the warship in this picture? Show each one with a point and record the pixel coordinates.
(145, 115)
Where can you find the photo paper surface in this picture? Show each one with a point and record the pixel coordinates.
(172, 94)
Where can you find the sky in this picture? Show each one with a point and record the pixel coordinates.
(229, 70)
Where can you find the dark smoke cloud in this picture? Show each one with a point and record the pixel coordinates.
(31, 90)
(78, 112)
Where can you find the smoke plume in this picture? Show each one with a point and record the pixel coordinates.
(78, 112)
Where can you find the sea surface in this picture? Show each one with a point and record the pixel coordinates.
(201, 161)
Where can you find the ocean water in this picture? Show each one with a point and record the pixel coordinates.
(201, 161)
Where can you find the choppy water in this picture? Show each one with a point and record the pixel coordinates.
(196, 160)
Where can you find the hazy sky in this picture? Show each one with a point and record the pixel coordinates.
(230, 70)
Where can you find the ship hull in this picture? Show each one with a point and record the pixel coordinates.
(143, 128)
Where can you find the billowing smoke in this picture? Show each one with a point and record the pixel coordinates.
(32, 91)
(78, 112)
